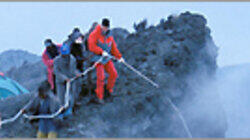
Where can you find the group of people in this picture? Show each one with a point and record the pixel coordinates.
(68, 60)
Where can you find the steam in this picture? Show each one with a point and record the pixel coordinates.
(222, 101)
(203, 108)
(233, 85)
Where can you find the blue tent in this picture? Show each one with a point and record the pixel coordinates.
(10, 88)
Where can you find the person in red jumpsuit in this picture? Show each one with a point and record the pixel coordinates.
(48, 56)
(102, 43)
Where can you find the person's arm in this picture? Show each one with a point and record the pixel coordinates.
(58, 72)
(48, 62)
(92, 41)
(114, 51)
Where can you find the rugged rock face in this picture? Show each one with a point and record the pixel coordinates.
(29, 75)
(179, 54)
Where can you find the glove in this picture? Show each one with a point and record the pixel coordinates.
(23, 111)
(67, 80)
(79, 40)
(78, 75)
(121, 60)
(105, 54)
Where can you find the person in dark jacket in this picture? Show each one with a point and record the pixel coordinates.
(80, 51)
(75, 42)
(44, 103)
(52, 50)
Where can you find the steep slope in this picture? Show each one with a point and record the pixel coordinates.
(180, 55)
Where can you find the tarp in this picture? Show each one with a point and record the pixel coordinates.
(9, 87)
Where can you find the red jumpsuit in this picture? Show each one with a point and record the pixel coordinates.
(49, 64)
(95, 40)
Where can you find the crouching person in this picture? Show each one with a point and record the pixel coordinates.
(65, 69)
(44, 103)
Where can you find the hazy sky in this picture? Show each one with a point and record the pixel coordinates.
(25, 25)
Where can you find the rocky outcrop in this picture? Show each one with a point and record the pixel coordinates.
(15, 58)
(29, 75)
(180, 55)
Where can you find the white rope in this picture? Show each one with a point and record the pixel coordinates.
(181, 117)
(67, 94)
(137, 72)
(60, 109)
(16, 116)
(140, 74)
(67, 99)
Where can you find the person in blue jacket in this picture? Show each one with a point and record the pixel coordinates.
(44, 103)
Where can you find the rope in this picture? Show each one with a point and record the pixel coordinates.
(181, 117)
(59, 110)
(137, 72)
(67, 99)
(140, 74)
(16, 116)
(67, 94)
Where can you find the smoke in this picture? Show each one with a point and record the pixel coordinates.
(203, 109)
(233, 87)
(221, 102)
(201, 105)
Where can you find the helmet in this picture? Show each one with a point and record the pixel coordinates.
(65, 50)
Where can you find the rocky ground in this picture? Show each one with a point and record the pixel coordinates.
(179, 54)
